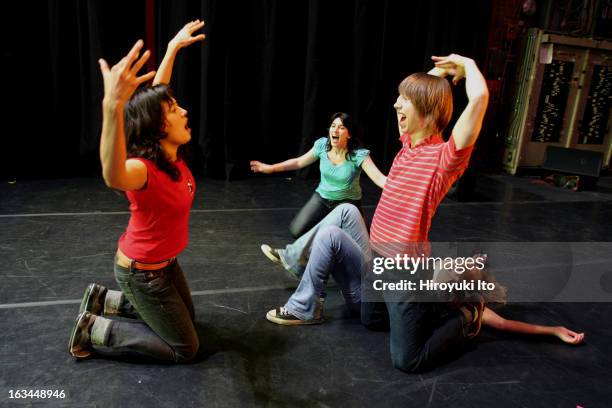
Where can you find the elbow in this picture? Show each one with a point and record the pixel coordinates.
(485, 95)
(500, 325)
(482, 97)
(110, 181)
(478, 102)
(107, 179)
(298, 164)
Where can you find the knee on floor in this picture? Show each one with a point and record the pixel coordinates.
(187, 352)
(407, 364)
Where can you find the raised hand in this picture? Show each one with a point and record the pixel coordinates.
(259, 167)
(185, 36)
(122, 79)
(182, 39)
(453, 65)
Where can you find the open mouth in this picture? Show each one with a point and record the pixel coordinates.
(401, 118)
(335, 138)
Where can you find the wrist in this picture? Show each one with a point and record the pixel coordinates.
(439, 72)
(173, 47)
(112, 106)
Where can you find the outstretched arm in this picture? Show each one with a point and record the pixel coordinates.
(120, 82)
(182, 39)
(468, 125)
(292, 164)
(373, 173)
(492, 319)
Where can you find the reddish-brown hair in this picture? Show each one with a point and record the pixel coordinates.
(431, 96)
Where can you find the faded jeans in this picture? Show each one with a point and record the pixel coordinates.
(337, 246)
(347, 217)
(421, 332)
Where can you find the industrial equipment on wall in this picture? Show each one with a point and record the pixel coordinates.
(563, 99)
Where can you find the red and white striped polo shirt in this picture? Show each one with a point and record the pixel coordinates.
(418, 180)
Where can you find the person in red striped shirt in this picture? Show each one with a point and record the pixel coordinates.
(421, 333)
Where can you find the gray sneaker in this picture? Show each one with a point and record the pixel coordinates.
(80, 339)
(273, 255)
(93, 299)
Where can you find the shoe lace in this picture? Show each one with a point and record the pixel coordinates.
(283, 311)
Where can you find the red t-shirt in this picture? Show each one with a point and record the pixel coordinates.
(159, 220)
(418, 180)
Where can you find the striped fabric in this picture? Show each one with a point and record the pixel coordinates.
(418, 180)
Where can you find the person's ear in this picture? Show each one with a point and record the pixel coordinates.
(164, 126)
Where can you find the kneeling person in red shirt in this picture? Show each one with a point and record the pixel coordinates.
(142, 134)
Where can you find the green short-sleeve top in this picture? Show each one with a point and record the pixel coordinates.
(339, 182)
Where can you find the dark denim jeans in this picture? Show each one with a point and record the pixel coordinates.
(421, 333)
(314, 211)
(157, 316)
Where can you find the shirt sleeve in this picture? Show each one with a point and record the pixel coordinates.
(453, 162)
(320, 147)
(143, 194)
(151, 175)
(359, 156)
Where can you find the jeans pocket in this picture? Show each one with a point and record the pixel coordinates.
(153, 282)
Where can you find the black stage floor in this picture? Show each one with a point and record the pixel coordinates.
(58, 236)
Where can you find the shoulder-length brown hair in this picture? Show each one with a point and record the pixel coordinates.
(432, 98)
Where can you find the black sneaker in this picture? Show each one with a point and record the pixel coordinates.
(281, 315)
(80, 339)
(93, 299)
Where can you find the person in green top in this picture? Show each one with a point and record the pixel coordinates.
(341, 162)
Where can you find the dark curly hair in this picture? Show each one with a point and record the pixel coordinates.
(144, 123)
(354, 142)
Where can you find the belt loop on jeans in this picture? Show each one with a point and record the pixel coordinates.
(124, 261)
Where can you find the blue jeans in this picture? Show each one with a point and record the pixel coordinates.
(334, 253)
(421, 333)
(337, 246)
(347, 217)
(157, 316)
(314, 211)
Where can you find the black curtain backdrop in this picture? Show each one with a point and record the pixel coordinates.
(262, 86)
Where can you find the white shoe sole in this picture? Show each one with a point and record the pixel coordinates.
(267, 251)
(271, 316)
